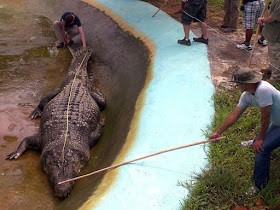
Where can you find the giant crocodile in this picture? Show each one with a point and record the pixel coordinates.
(70, 126)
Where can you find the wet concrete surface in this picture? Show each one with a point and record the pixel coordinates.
(31, 68)
(26, 74)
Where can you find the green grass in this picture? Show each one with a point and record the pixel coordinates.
(226, 183)
(217, 3)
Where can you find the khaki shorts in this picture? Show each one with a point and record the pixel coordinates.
(274, 53)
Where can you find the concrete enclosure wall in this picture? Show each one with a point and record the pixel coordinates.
(119, 69)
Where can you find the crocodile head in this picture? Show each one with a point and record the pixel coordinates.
(59, 167)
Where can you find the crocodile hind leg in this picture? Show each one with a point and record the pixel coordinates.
(99, 98)
(95, 135)
(39, 109)
(32, 142)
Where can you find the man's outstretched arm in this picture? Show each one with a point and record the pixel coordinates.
(81, 32)
(231, 119)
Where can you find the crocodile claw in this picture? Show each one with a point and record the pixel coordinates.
(13, 155)
(102, 122)
(36, 113)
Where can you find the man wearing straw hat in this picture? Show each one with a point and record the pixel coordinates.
(265, 96)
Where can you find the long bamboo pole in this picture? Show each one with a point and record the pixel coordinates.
(257, 33)
(159, 8)
(140, 158)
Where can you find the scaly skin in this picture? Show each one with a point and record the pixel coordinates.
(84, 127)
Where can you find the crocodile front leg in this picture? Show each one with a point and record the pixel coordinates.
(32, 142)
(39, 109)
(99, 98)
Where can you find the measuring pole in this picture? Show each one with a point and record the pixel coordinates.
(140, 158)
(160, 8)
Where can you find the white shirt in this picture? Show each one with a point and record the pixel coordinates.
(265, 95)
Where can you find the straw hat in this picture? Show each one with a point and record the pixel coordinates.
(246, 75)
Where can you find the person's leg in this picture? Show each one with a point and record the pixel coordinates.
(186, 21)
(201, 15)
(274, 55)
(58, 31)
(203, 27)
(187, 28)
(261, 170)
(186, 40)
(248, 18)
(248, 35)
(262, 41)
(251, 11)
(226, 19)
(234, 14)
(261, 29)
(233, 17)
(253, 14)
(262, 160)
(72, 31)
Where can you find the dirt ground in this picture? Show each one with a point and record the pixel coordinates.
(223, 55)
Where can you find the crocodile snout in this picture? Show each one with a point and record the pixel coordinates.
(63, 190)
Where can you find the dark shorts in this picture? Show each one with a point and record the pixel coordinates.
(197, 9)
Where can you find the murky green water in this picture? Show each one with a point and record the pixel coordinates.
(30, 67)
